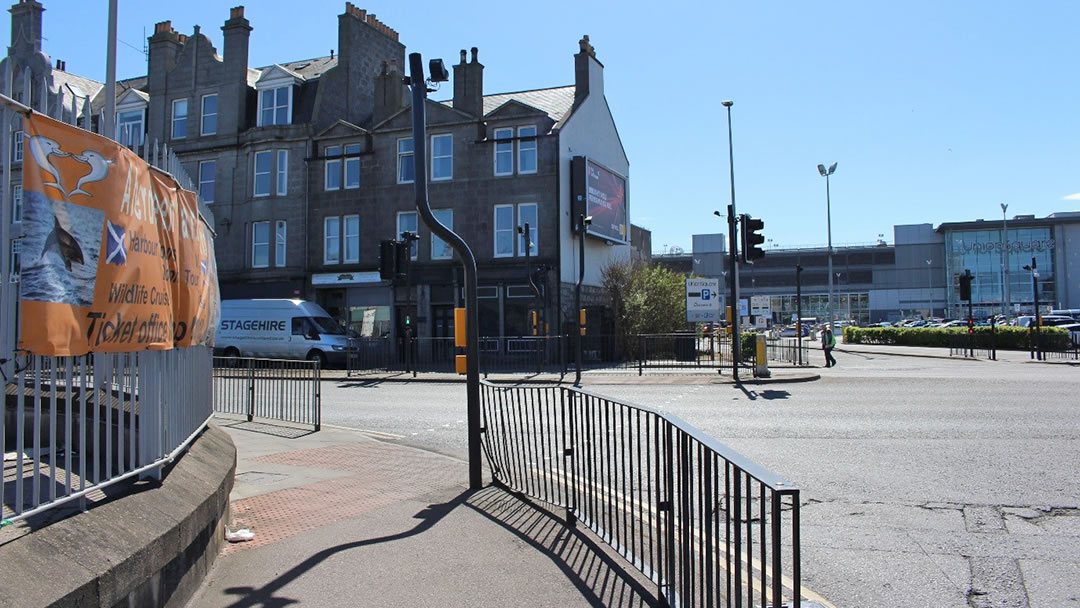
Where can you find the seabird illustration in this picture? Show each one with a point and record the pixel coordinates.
(42, 148)
(99, 168)
(66, 246)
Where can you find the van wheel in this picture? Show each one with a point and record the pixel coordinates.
(233, 357)
(317, 355)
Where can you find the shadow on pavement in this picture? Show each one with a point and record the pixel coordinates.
(265, 428)
(264, 596)
(769, 394)
(602, 578)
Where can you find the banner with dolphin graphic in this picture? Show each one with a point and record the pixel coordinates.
(116, 257)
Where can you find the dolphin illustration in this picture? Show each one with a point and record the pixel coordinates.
(99, 168)
(42, 148)
(66, 246)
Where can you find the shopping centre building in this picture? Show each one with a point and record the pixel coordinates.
(917, 274)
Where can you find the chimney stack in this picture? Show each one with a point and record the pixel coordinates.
(237, 31)
(388, 92)
(588, 73)
(25, 27)
(469, 85)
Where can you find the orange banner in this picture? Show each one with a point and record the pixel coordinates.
(115, 256)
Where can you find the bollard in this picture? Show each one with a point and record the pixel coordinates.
(761, 363)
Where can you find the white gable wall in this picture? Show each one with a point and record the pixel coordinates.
(590, 132)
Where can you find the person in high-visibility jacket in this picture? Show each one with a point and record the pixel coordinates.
(828, 342)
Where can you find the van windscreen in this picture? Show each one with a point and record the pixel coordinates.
(328, 326)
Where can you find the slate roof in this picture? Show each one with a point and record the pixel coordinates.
(306, 68)
(555, 102)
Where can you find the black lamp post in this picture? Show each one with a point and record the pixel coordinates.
(798, 307)
(1035, 298)
(408, 238)
(472, 327)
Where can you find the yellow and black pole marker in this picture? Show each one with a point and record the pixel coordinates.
(581, 320)
(534, 322)
(460, 360)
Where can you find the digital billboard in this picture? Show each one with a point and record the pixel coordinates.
(604, 195)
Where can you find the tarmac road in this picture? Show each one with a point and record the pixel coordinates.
(926, 482)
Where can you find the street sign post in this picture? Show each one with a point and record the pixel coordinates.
(703, 300)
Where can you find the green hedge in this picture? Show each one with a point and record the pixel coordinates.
(1008, 337)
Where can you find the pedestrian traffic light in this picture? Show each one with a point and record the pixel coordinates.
(752, 239)
(965, 285)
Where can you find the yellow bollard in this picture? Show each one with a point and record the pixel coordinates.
(761, 368)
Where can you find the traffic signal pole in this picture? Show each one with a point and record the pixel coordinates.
(468, 260)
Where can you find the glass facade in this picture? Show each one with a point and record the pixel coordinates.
(984, 254)
(854, 306)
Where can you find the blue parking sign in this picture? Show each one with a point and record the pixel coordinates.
(706, 294)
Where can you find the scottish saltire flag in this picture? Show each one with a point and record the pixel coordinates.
(115, 248)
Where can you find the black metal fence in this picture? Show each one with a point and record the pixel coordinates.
(1054, 347)
(977, 345)
(705, 524)
(557, 354)
(276, 389)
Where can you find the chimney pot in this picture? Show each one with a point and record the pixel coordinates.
(474, 52)
(237, 12)
(462, 55)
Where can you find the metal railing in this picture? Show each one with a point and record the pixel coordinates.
(974, 345)
(788, 350)
(276, 389)
(705, 524)
(73, 425)
(556, 354)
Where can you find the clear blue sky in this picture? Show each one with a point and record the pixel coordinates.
(935, 111)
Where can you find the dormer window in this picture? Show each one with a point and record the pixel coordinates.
(274, 106)
(131, 118)
(275, 88)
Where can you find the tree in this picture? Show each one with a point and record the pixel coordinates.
(646, 299)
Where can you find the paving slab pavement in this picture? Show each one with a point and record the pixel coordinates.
(342, 519)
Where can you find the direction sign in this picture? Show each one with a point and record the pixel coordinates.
(760, 305)
(703, 300)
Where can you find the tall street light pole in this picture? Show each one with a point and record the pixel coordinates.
(930, 287)
(798, 308)
(1004, 260)
(828, 227)
(733, 266)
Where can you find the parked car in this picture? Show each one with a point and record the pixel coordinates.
(280, 329)
(1047, 320)
(790, 331)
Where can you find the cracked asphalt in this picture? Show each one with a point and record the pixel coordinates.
(925, 482)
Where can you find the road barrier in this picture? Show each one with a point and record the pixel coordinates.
(707, 525)
(276, 389)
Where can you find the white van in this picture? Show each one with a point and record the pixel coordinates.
(280, 329)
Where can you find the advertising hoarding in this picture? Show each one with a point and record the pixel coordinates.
(600, 193)
(117, 258)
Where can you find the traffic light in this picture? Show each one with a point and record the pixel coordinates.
(965, 285)
(387, 260)
(752, 239)
(402, 257)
